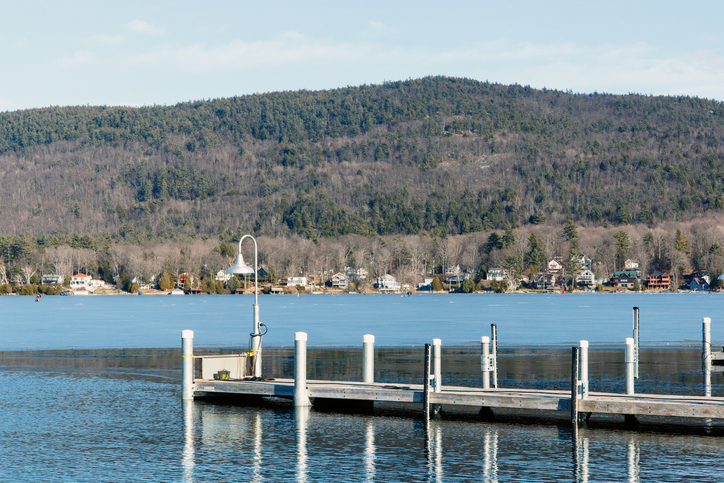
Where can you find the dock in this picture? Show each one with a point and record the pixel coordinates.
(343, 394)
(230, 376)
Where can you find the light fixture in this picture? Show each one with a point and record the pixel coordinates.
(243, 269)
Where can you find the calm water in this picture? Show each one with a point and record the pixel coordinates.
(73, 411)
(224, 320)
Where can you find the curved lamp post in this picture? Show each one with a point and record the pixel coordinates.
(242, 268)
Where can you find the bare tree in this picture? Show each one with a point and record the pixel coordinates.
(27, 272)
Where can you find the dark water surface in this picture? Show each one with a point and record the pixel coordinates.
(117, 415)
(83, 400)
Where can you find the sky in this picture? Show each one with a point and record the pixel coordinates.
(160, 52)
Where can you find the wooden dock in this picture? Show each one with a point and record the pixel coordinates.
(345, 394)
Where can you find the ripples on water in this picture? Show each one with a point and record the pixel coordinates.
(89, 416)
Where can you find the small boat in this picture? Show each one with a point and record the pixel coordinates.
(66, 294)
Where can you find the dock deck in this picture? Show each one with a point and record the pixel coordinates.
(522, 399)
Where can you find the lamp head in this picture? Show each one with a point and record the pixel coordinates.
(240, 267)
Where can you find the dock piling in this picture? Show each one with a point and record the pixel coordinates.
(706, 355)
(187, 365)
(368, 358)
(485, 361)
(494, 351)
(636, 341)
(583, 345)
(426, 385)
(574, 387)
(629, 359)
(437, 365)
(301, 396)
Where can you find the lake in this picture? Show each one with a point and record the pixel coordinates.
(91, 389)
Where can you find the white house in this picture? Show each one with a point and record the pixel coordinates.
(339, 280)
(222, 276)
(497, 274)
(586, 278)
(297, 281)
(387, 283)
(80, 281)
(356, 275)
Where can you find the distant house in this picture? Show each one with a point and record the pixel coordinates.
(497, 274)
(52, 279)
(659, 281)
(457, 279)
(80, 281)
(586, 278)
(632, 265)
(554, 265)
(182, 279)
(583, 262)
(426, 285)
(302, 281)
(264, 275)
(387, 283)
(699, 284)
(339, 280)
(547, 281)
(222, 276)
(357, 275)
(624, 279)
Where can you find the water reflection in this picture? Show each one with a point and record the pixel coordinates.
(187, 461)
(490, 455)
(301, 418)
(257, 461)
(633, 452)
(369, 458)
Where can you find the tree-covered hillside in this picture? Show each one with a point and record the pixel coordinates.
(430, 156)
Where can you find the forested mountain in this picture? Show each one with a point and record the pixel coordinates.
(432, 156)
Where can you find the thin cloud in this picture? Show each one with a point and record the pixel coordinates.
(290, 48)
(77, 59)
(106, 40)
(142, 27)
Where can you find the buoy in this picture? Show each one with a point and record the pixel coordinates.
(37, 298)
(564, 292)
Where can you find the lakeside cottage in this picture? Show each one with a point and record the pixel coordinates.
(659, 281)
(387, 283)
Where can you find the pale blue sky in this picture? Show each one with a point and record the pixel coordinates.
(162, 52)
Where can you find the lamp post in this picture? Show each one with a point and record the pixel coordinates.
(242, 268)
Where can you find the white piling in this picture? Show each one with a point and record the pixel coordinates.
(301, 396)
(583, 354)
(436, 364)
(368, 358)
(485, 361)
(494, 352)
(636, 341)
(187, 365)
(629, 365)
(706, 355)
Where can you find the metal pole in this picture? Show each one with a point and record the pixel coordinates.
(301, 397)
(629, 359)
(187, 364)
(706, 355)
(426, 385)
(368, 358)
(437, 367)
(574, 387)
(485, 361)
(636, 341)
(494, 350)
(584, 368)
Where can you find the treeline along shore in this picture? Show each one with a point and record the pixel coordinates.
(435, 176)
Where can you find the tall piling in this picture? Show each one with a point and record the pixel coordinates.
(368, 358)
(583, 347)
(187, 365)
(301, 396)
(485, 361)
(629, 359)
(706, 355)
